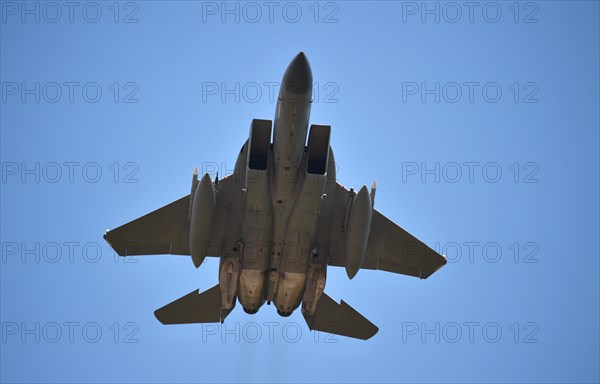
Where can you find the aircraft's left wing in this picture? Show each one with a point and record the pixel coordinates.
(393, 249)
(390, 248)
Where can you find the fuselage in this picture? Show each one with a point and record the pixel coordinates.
(281, 209)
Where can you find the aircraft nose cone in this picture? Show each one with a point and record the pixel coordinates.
(298, 76)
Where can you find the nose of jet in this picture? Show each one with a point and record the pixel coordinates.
(298, 76)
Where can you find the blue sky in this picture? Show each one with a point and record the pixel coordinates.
(479, 123)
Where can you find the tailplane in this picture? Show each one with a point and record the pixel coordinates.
(194, 307)
(340, 319)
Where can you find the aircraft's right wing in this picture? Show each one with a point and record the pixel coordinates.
(167, 229)
(390, 247)
(163, 231)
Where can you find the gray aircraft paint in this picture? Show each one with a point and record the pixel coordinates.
(277, 223)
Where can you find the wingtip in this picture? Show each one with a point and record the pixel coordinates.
(433, 268)
(157, 315)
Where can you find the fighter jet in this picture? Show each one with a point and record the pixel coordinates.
(276, 224)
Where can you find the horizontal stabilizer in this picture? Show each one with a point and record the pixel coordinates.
(194, 307)
(340, 319)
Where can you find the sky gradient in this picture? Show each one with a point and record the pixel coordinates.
(480, 123)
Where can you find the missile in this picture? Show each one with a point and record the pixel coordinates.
(194, 186)
(351, 195)
(373, 190)
(194, 179)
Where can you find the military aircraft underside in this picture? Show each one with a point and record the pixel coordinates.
(276, 224)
